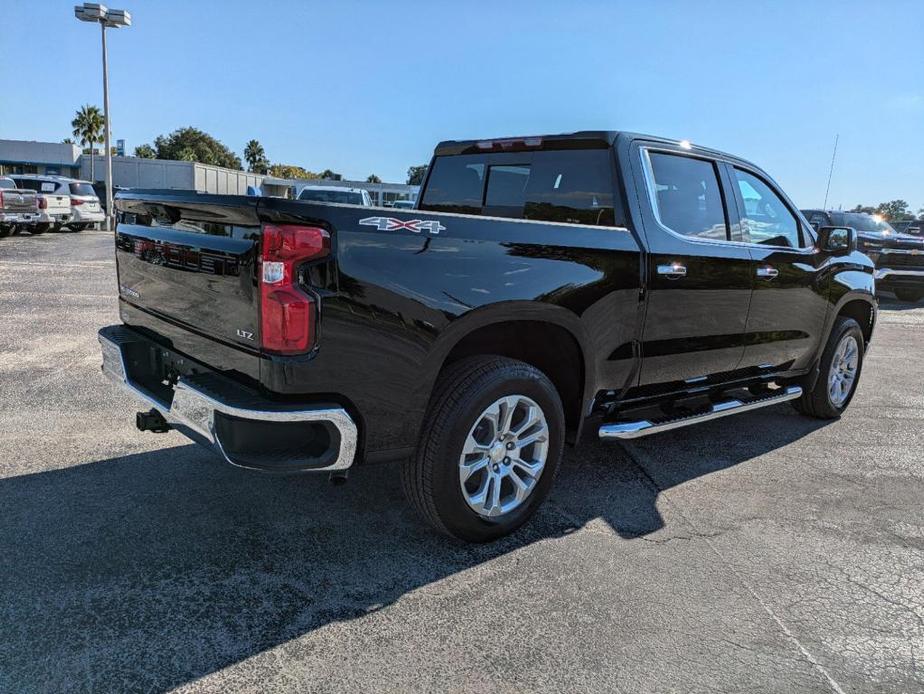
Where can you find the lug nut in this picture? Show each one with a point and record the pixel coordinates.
(510, 445)
(507, 461)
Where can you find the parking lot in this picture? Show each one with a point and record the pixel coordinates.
(765, 552)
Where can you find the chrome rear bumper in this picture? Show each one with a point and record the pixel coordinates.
(195, 413)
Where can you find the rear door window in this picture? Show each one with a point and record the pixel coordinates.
(573, 186)
(686, 196)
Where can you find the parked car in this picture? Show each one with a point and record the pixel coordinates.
(18, 206)
(341, 194)
(899, 258)
(543, 286)
(54, 200)
(908, 226)
(403, 204)
(85, 205)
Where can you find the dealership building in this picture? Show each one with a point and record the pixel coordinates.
(51, 158)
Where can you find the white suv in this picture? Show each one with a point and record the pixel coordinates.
(85, 208)
(342, 194)
(63, 201)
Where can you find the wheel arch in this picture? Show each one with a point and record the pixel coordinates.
(547, 337)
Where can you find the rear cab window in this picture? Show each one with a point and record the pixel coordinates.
(568, 186)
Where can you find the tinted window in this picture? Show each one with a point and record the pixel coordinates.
(573, 186)
(341, 196)
(82, 189)
(766, 218)
(29, 183)
(6, 183)
(818, 220)
(506, 192)
(688, 199)
(865, 222)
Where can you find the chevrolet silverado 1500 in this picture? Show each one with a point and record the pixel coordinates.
(542, 285)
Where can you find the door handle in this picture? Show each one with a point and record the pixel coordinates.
(674, 271)
(767, 272)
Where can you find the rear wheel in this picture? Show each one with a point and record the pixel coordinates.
(39, 228)
(5, 230)
(490, 449)
(840, 367)
(910, 295)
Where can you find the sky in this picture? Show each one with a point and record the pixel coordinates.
(371, 87)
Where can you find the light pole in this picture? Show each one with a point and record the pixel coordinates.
(113, 19)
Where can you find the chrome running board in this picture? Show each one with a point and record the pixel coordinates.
(645, 427)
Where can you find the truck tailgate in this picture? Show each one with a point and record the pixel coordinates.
(193, 264)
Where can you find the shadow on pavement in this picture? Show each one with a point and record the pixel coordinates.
(148, 571)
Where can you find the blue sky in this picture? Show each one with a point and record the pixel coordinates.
(370, 87)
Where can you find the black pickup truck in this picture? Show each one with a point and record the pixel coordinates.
(542, 284)
(898, 257)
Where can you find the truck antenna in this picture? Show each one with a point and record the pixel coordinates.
(831, 172)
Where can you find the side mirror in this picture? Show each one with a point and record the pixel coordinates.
(837, 240)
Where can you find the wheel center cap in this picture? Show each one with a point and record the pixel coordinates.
(497, 451)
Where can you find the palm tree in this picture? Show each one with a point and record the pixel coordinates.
(88, 129)
(256, 157)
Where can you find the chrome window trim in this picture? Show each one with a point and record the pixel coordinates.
(652, 205)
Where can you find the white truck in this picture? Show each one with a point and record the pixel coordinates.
(18, 207)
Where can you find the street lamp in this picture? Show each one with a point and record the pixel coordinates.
(113, 19)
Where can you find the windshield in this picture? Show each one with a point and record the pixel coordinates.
(866, 222)
(7, 183)
(82, 189)
(341, 196)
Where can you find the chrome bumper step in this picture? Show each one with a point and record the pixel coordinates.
(646, 427)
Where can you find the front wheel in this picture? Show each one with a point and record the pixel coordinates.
(490, 448)
(5, 230)
(909, 295)
(36, 229)
(841, 363)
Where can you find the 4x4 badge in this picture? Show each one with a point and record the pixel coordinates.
(431, 226)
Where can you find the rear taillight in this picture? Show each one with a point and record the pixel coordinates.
(43, 203)
(1, 198)
(288, 315)
(75, 202)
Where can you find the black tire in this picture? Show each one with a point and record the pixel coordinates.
(817, 401)
(5, 231)
(909, 295)
(37, 229)
(431, 478)
(57, 228)
(77, 227)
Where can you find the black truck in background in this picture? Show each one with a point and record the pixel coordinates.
(898, 256)
(542, 286)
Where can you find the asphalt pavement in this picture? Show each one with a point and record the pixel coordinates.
(763, 553)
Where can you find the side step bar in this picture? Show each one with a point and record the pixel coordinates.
(644, 427)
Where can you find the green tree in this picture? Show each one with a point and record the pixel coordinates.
(88, 127)
(68, 141)
(415, 175)
(894, 210)
(373, 179)
(145, 152)
(255, 156)
(191, 144)
(290, 171)
(331, 175)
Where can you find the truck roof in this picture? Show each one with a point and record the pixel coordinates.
(581, 139)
